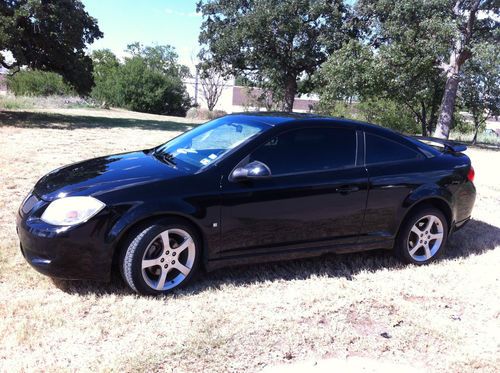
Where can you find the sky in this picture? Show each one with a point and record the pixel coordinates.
(151, 22)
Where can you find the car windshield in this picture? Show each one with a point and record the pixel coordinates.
(207, 143)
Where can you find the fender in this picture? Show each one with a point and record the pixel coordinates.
(423, 193)
(201, 218)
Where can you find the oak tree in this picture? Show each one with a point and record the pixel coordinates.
(275, 43)
(49, 35)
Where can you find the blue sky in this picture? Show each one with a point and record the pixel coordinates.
(150, 22)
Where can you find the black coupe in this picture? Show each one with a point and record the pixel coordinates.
(246, 188)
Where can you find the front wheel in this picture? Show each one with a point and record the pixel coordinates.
(422, 237)
(161, 257)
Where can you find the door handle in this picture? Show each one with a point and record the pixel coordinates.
(346, 189)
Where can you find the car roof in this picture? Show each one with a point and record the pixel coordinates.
(281, 118)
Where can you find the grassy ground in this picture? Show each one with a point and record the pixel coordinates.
(351, 311)
(11, 102)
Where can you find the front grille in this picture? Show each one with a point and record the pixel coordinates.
(29, 203)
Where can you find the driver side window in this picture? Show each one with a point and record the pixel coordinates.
(308, 150)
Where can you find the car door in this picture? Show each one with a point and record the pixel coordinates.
(316, 195)
(394, 169)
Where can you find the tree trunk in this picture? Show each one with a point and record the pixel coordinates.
(474, 139)
(424, 119)
(461, 52)
(290, 92)
(477, 124)
(447, 107)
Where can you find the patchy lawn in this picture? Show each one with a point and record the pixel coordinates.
(360, 310)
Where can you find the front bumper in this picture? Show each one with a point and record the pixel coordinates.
(78, 252)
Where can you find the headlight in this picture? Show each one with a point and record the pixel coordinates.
(71, 210)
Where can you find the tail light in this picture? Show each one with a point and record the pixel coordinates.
(471, 174)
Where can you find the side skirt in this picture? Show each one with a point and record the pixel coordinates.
(292, 254)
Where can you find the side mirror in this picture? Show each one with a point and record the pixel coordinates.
(253, 170)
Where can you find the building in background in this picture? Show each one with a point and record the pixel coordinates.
(236, 98)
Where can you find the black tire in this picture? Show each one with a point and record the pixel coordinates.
(148, 238)
(405, 239)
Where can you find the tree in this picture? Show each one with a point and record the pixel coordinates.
(143, 82)
(212, 85)
(275, 43)
(163, 58)
(480, 86)
(473, 21)
(50, 36)
(393, 61)
(106, 67)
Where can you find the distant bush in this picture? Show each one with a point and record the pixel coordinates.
(146, 82)
(38, 83)
(141, 88)
(204, 114)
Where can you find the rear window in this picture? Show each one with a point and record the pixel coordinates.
(382, 150)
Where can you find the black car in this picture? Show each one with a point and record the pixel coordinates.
(246, 188)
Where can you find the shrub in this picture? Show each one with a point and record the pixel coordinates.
(38, 83)
(136, 86)
(204, 114)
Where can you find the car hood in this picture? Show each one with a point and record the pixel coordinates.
(104, 174)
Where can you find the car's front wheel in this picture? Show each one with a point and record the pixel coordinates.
(160, 257)
(422, 236)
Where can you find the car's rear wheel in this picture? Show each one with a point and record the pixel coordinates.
(161, 257)
(422, 237)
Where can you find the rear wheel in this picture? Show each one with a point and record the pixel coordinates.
(423, 236)
(161, 257)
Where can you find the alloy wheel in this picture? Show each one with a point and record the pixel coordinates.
(425, 238)
(168, 259)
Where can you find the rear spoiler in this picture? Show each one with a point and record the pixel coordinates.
(449, 145)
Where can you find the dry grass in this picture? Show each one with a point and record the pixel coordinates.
(334, 310)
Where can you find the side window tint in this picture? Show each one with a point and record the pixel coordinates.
(379, 150)
(311, 149)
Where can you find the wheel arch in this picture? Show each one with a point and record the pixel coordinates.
(434, 201)
(144, 222)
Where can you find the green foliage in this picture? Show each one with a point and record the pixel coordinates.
(480, 86)
(106, 67)
(162, 58)
(50, 36)
(144, 82)
(38, 83)
(385, 113)
(389, 114)
(272, 42)
(396, 60)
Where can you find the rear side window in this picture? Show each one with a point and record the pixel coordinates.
(381, 150)
(308, 149)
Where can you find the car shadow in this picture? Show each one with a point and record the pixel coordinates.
(26, 119)
(475, 238)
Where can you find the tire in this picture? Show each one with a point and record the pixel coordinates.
(150, 267)
(416, 243)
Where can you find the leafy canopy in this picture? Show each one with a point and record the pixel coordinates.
(480, 85)
(397, 58)
(273, 42)
(51, 36)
